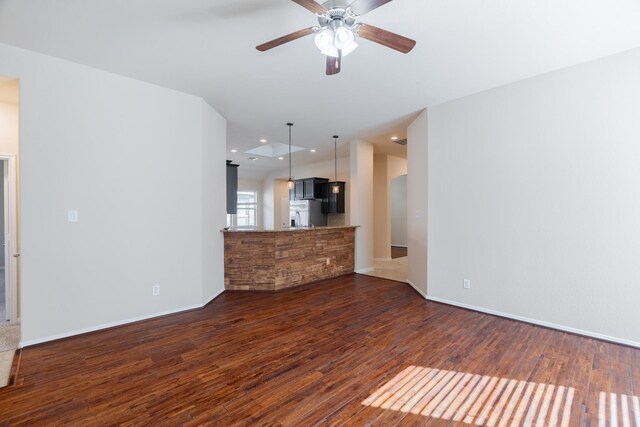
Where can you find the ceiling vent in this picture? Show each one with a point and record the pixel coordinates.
(401, 141)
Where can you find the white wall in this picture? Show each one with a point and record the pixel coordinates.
(381, 209)
(534, 195)
(281, 191)
(399, 211)
(102, 144)
(417, 181)
(361, 170)
(214, 198)
(268, 204)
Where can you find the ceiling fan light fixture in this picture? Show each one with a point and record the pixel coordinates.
(338, 29)
(324, 39)
(331, 42)
(345, 40)
(332, 52)
(348, 48)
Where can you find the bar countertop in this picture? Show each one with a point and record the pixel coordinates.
(285, 230)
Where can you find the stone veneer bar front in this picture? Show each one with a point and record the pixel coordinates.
(257, 260)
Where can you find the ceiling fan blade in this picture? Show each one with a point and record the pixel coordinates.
(386, 38)
(285, 39)
(360, 7)
(312, 5)
(334, 64)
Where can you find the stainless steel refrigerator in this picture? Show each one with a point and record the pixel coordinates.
(306, 213)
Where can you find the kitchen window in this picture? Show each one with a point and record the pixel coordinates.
(247, 216)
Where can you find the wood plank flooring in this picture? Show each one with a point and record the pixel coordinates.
(313, 356)
(398, 252)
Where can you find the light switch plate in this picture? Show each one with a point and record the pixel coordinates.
(72, 216)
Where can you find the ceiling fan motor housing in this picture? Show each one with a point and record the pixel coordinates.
(337, 17)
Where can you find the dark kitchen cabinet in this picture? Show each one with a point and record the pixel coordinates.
(232, 188)
(313, 188)
(298, 190)
(308, 189)
(333, 202)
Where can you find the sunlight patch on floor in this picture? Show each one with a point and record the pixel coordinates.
(474, 399)
(619, 410)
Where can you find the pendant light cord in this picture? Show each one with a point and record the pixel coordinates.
(335, 158)
(290, 125)
(335, 186)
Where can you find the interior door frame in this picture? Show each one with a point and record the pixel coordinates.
(11, 250)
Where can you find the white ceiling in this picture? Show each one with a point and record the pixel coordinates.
(207, 48)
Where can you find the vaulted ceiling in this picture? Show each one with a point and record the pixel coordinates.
(207, 48)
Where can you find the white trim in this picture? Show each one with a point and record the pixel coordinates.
(365, 270)
(383, 259)
(117, 323)
(212, 297)
(535, 321)
(106, 326)
(417, 289)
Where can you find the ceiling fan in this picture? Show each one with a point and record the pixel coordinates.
(339, 26)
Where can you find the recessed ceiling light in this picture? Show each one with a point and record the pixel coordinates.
(263, 140)
(234, 151)
(313, 150)
(280, 158)
(394, 138)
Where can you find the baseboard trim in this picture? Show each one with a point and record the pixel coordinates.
(107, 326)
(212, 298)
(537, 322)
(417, 289)
(364, 270)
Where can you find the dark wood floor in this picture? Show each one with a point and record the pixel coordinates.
(311, 355)
(398, 252)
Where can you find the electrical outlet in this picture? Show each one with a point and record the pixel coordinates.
(155, 290)
(466, 283)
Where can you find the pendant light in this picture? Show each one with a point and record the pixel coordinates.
(290, 183)
(335, 188)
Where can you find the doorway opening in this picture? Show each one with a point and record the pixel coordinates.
(398, 189)
(9, 285)
(395, 267)
(390, 259)
(9, 251)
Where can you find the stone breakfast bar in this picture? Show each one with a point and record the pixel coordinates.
(260, 260)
